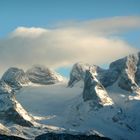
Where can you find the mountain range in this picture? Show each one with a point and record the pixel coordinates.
(94, 103)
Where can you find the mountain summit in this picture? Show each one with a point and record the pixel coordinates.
(15, 78)
(107, 103)
(124, 71)
(43, 75)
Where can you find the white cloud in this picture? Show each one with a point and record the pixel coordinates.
(28, 32)
(94, 42)
(106, 25)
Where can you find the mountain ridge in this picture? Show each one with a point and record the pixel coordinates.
(109, 96)
(125, 69)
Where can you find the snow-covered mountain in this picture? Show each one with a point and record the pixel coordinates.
(125, 71)
(78, 73)
(97, 102)
(94, 90)
(15, 78)
(4, 130)
(43, 75)
(10, 108)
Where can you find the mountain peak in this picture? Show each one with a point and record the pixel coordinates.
(125, 71)
(78, 72)
(10, 108)
(15, 78)
(94, 90)
(43, 75)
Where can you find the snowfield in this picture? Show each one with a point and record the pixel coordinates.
(95, 101)
(61, 106)
(48, 102)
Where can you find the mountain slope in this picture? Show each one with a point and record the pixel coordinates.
(15, 78)
(43, 75)
(107, 105)
(125, 69)
(94, 90)
(10, 108)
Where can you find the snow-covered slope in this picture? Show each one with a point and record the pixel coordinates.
(42, 75)
(10, 108)
(126, 70)
(15, 121)
(4, 130)
(106, 105)
(78, 73)
(64, 107)
(94, 90)
(15, 78)
(50, 101)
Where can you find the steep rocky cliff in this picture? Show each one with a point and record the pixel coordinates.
(124, 71)
(15, 78)
(43, 75)
(10, 108)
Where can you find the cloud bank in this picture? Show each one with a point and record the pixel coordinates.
(93, 41)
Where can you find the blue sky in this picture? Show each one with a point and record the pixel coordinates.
(48, 13)
(44, 13)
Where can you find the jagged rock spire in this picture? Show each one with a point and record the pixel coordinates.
(124, 71)
(94, 90)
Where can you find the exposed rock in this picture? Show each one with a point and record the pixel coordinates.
(77, 73)
(10, 108)
(106, 77)
(125, 71)
(4, 130)
(15, 78)
(137, 76)
(9, 137)
(43, 75)
(118, 65)
(64, 136)
(94, 90)
(136, 59)
(127, 77)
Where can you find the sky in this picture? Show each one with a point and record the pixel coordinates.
(59, 33)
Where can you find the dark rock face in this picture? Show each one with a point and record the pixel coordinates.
(107, 77)
(77, 73)
(95, 91)
(125, 71)
(64, 136)
(137, 76)
(127, 77)
(118, 65)
(11, 110)
(43, 75)
(8, 137)
(90, 84)
(15, 78)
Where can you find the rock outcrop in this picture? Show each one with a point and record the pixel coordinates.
(10, 108)
(124, 71)
(15, 78)
(43, 75)
(9, 137)
(65, 136)
(127, 79)
(4, 130)
(94, 90)
(77, 73)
